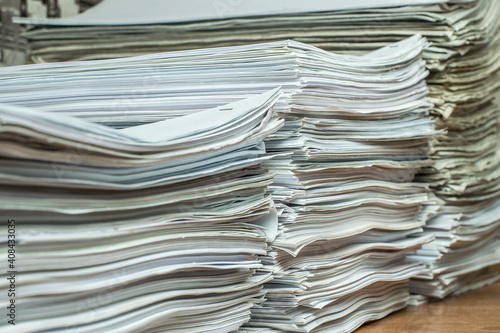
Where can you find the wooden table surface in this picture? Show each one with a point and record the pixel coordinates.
(475, 311)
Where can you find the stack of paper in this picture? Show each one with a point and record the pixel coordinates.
(118, 28)
(464, 60)
(152, 228)
(356, 131)
(466, 253)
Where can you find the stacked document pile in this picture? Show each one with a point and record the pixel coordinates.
(152, 228)
(356, 132)
(466, 174)
(118, 28)
(350, 209)
(464, 61)
(466, 253)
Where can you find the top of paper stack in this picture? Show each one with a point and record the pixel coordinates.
(161, 11)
